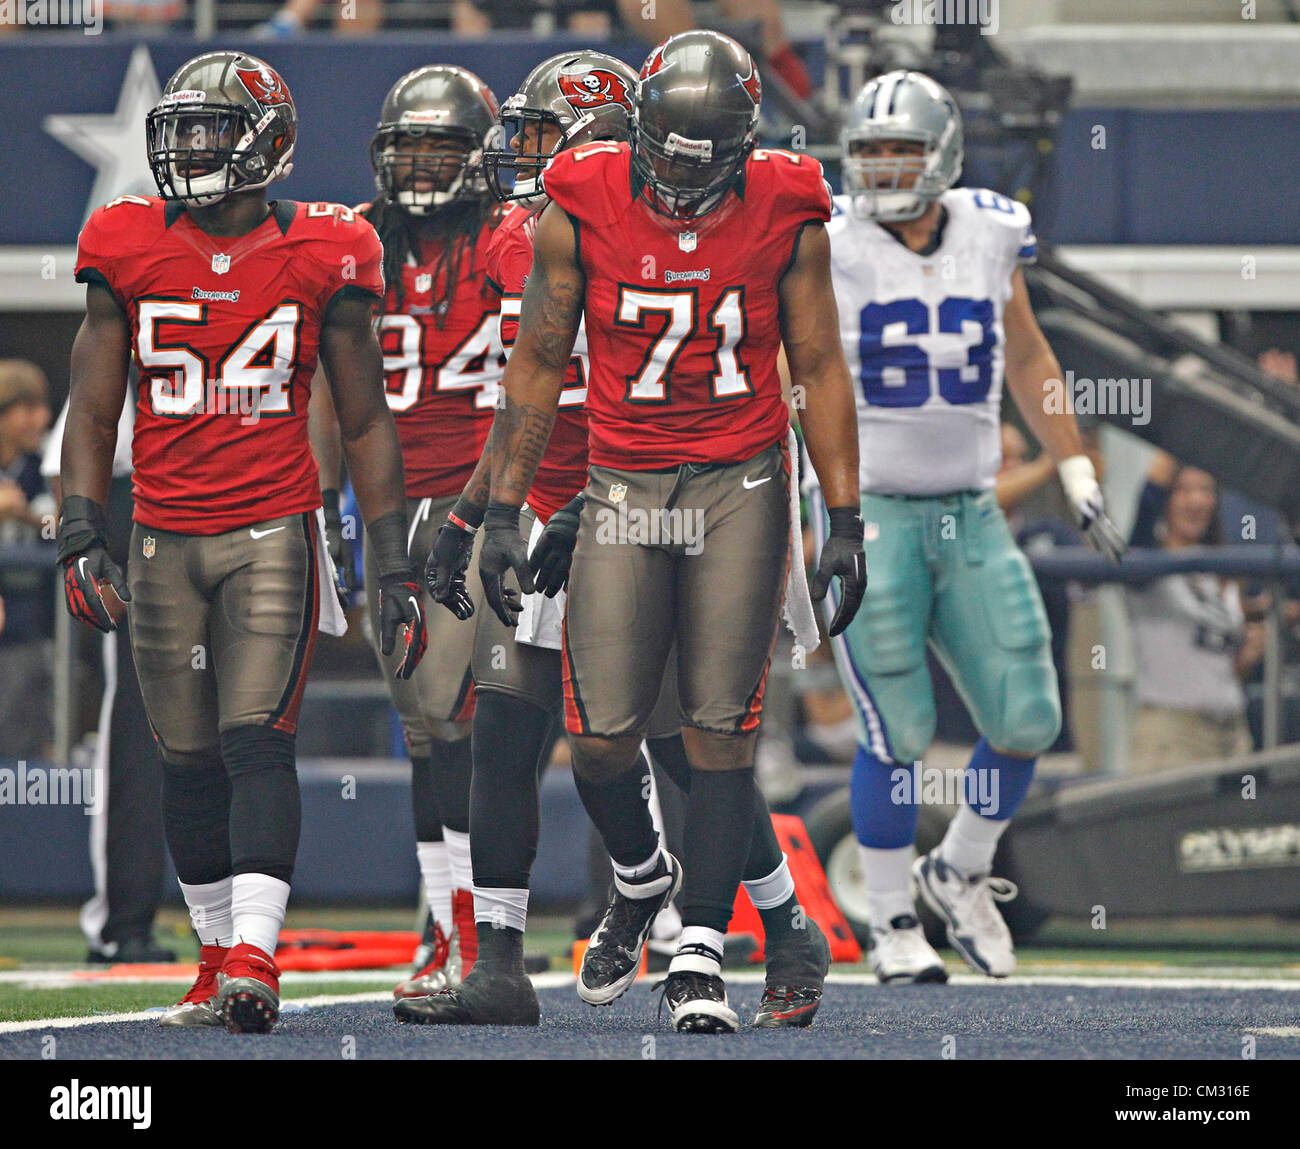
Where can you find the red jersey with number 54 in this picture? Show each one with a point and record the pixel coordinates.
(225, 332)
(562, 473)
(683, 315)
(442, 364)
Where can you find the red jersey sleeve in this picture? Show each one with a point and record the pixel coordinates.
(790, 187)
(111, 234)
(509, 260)
(348, 252)
(585, 181)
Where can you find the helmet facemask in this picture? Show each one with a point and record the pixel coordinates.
(892, 188)
(201, 152)
(684, 178)
(514, 172)
(424, 170)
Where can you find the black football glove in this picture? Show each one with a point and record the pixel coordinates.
(449, 559)
(553, 555)
(504, 550)
(340, 548)
(399, 594)
(399, 605)
(842, 555)
(83, 552)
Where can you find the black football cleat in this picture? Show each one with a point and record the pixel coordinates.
(796, 972)
(483, 998)
(698, 1003)
(613, 957)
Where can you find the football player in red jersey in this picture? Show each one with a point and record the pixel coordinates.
(226, 302)
(439, 330)
(695, 257)
(565, 101)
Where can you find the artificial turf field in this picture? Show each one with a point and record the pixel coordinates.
(1147, 992)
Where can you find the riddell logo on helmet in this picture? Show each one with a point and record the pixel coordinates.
(594, 89)
(263, 85)
(677, 145)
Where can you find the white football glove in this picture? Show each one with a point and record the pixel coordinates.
(1084, 493)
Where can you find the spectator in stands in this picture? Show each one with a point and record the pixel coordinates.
(1193, 643)
(358, 18)
(1246, 521)
(141, 15)
(26, 589)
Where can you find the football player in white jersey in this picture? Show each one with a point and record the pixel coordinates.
(934, 316)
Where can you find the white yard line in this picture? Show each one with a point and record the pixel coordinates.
(560, 978)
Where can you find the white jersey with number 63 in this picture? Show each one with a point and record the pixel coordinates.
(924, 341)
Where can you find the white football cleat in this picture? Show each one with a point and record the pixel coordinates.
(965, 903)
(900, 955)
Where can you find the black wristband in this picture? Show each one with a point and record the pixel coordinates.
(388, 541)
(81, 526)
(471, 514)
(846, 523)
(501, 516)
(86, 509)
(330, 503)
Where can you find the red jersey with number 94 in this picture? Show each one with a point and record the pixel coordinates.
(442, 366)
(225, 332)
(683, 315)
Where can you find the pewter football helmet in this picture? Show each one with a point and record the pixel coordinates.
(901, 106)
(586, 95)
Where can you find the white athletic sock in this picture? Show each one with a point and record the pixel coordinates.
(257, 905)
(971, 841)
(774, 890)
(462, 871)
(643, 870)
(209, 905)
(888, 876)
(435, 869)
(667, 925)
(501, 908)
(699, 951)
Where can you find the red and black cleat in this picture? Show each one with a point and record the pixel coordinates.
(248, 991)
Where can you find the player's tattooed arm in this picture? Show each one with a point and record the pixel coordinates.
(821, 386)
(550, 314)
(354, 367)
(101, 355)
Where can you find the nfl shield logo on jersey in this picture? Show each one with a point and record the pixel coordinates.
(423, 283)
(149, 543)
(686, 240)
(617, 492)
(221, 264)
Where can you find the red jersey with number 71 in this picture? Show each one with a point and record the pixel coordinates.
(225, 332)
(683, 316)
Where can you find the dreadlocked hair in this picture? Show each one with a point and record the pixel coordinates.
(457, 228)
